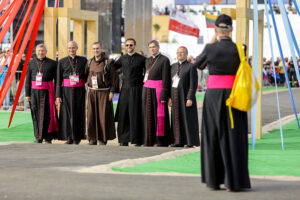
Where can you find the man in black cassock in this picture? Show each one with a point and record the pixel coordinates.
(224, 151)
(184, 118)
(156, 93)
(129, 109)
(70, 94)
(40, 93)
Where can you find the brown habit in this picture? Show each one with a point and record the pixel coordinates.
(99, 112)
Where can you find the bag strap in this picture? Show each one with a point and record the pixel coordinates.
(89, 63)
(106, 67)
(241, 51)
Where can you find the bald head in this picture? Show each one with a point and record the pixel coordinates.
(182, 54)
(72, 48)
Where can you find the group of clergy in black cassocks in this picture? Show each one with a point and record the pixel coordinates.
(83, 90)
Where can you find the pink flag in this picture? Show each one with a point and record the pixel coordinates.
(180, 23)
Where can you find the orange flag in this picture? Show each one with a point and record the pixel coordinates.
(215, 1)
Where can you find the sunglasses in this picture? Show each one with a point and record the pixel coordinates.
(129, 45)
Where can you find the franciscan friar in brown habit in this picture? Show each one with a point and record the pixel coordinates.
(102, 82)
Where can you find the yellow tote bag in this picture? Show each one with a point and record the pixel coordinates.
(245, 87)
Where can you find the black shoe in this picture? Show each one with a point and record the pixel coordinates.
(38, 141)
(101, 143)
(93, 142)
(137, 145)
(176, 145)
(124, 144)
(77, 142)
(69, 141)
(213, 187)
(189, 146)
(48, 141)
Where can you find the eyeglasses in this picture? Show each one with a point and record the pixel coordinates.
(129, 45)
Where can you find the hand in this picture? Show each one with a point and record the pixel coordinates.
(170, 102)
(189, 103)
(58, 100)
(28, 99)
(111, 96)
(163, 102)
(214, 38)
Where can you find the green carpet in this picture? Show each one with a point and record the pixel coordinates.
(21, 128)
(266, 159)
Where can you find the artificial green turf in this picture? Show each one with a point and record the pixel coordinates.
(266, 159)
(21, 128)
(200, 95)
(265, 89)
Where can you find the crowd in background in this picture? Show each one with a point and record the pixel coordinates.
(171, 10)
(268, 72)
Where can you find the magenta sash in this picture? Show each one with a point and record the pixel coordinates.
(157, 85)
(220, 81)
(53, 125)
(68, 84)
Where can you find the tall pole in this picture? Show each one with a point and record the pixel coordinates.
(11, 29)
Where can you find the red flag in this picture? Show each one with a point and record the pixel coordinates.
(181, 24)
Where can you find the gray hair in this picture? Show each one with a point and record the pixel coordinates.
(73, 42)
(155, 42)
(224, 31)
(41, 45)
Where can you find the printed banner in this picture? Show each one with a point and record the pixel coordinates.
(181, 24)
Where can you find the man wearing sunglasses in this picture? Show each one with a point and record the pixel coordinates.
(129, 111)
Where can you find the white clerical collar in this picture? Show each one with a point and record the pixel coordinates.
(131, 54)
(180, 62)
(156, 55)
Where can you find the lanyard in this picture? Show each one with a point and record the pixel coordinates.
(73, 63)
(40, 65)
(179, 67)
(153, 62)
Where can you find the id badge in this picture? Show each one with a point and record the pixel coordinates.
(38, 79)
(146, 76)
(94, 82)
(175, 80)
(72, 80)
(76, 79)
